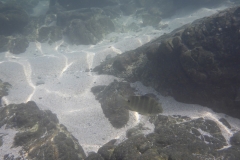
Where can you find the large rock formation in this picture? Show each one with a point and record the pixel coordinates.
(175, 138)
(198, 63)
(39, 133)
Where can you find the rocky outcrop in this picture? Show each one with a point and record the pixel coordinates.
(175, 137)
(85, 26)
(198, 63)
(108, 97)
(39, 133)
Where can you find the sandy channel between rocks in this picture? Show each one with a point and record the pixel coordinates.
(55, 77)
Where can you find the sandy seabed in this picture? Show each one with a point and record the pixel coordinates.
(55, 77)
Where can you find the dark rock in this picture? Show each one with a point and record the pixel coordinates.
(78, 33)
(107, 149)
(18, 45)
(31, 30)
(136, 130)
(199, 59)
(88, 32)
(94, 156)
(4, 86)
(112, 108)
(174, 139)
(129, 149)
(49, 34)
(97, 89)
(85, 26)
(235, 139)
(1, 140)
(225, 122)
(40, 134)
(4, 43)
(12, 19)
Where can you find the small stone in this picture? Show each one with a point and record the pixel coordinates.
(40, 82)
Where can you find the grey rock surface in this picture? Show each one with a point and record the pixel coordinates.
(117, 114)
(200, 59)
(176, 138)
(39, 133)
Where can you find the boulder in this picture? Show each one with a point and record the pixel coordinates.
(49, 34)
(197, 63)
(18, 45)
(107, 96)
(175, 137)
(85, 26)
(39, 133)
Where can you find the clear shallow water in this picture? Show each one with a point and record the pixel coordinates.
(54, 77)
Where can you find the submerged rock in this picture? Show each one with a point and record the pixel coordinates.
(117, 114)
(49, 34)
(197, 63)
(176, 138)
(235, 140)
(18, 45)
(39, 133)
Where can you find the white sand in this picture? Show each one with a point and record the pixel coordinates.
(66, 86)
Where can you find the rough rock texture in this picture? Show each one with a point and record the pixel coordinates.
(81, 21)
(197, 63)
(235, 140)
(85, 26)
(4, 43)
(175, 138)
(18, 45)
(113, 110)
(39, 133)
(49, 34)
(14, 45)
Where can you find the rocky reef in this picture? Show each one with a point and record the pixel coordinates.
(39, 133)
(197, 63)
(81, 22)
(174, 137)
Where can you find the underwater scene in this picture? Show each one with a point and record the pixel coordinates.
(119, 80)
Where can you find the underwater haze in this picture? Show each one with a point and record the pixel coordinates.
(118, 79)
